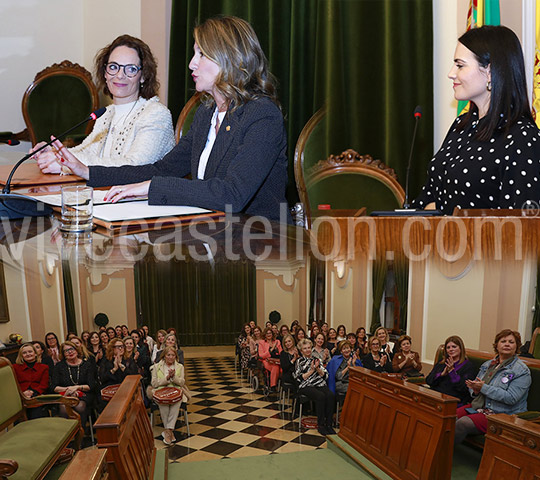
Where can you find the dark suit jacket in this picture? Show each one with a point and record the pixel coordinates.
(247, 167)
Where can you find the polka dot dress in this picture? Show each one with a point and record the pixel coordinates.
(503, 172)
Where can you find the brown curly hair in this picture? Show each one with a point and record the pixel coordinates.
(232, 44)
(149, 88)
(506, 333)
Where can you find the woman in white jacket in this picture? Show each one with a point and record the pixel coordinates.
(136, 129)
(168, 372)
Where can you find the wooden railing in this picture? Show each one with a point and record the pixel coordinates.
(405, 429)
(124, 430)
(512, 449)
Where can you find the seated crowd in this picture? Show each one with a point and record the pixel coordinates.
(314, 364)
(89, 367)
(317, 365)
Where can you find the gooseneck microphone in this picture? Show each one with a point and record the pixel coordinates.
(407, 211)
(417, 116)
(15, 206)
(92, 116)
(11, 142)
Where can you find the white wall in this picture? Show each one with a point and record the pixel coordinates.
(37, 33)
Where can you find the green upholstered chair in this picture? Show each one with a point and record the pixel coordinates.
(59, 97)
(29, 449)
(346, 181)
(186, 116)
(534, 348)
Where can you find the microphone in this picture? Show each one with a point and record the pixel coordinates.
(10, 142)
(92, 116)
(407, 210)
(20, 206)
(417, 116)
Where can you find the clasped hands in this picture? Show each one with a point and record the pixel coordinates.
(52, 158)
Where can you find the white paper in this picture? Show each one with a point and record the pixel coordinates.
(55, 199)
(113, 212)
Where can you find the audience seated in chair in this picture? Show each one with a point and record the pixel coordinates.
(42, 355)
(386, 345)
(450, 374)
(168, 372)
(287, 359)
(242, 345)
(332, 341)
(32, 376)
(95, 347)
(170, 341)
(405, 360)
(75, 377)
(53, 346)
(377, 360)
(312, 377)
(319, 348)
(117, 364)
(502, 386)
(338, 368)
(269, 351)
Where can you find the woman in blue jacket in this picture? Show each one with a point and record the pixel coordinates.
(338, 368)
(502, 386)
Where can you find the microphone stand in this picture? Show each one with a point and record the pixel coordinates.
(21, 206)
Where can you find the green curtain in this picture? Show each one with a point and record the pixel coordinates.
(536, 316)
(378, 279)
(401, 277)
(207, 303)
(369, 61)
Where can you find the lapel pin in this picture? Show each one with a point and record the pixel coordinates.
(228, 128)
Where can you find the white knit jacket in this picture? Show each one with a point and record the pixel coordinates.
(146, 136)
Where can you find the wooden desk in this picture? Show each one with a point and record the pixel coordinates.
(406, 430)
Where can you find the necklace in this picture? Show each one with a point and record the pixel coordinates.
(70, 376)
(122, 120)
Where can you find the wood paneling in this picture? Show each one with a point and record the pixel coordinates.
(124, 429)
(512, 449)
(406, 430)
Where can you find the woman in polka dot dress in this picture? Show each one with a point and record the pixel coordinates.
(490, 158)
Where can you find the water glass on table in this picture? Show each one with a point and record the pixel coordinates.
(77, 208)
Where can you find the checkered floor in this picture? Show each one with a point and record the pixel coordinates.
(227, 419)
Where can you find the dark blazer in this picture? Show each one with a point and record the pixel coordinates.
(247, 167)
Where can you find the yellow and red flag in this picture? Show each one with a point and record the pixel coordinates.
(488, 12)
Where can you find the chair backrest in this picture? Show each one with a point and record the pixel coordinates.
(351, 181)
(186, 116)
(308, 151)
(534, 348)
(59, 97)
(10, 398)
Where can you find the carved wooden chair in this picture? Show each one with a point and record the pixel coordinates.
(345, 181)
(352, 181)
(186, 116)
(60, 96)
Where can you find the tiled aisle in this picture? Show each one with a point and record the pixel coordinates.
(228, 420)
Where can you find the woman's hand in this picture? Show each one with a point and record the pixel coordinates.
(383, 360)
(69, 160)
(124, 191)
(28, 394)
(71, 391)
(475, 385)
(448, 367)
(47, 159)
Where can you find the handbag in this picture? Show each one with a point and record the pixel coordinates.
(108, 392)
(168, 395)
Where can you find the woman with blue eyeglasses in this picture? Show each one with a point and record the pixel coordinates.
(136, 129)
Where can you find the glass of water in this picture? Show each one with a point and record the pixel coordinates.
(77, 208)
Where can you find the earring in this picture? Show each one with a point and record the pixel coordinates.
(488, 86)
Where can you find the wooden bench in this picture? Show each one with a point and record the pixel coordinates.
(29, 449)
(404, 429)
(123, 428)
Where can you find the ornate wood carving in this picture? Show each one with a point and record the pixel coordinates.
(64, 66)
(512, 449)
(351, 158)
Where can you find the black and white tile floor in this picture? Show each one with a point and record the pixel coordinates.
(227, 419)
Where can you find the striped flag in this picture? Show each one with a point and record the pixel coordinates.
(536, 72)
(486, 12)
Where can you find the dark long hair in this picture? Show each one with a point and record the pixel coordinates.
(499, 47)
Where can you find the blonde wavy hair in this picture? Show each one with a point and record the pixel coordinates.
(232, 44)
